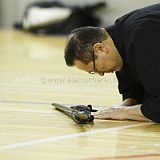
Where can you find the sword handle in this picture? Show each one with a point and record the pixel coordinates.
(65, 109)
(80, 114)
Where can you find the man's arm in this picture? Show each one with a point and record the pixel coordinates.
(122, 113)
(134, 113)
(131, 92)
(146, 57)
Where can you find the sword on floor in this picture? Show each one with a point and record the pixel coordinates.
(81, 114)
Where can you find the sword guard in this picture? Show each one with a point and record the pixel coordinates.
(82, 114)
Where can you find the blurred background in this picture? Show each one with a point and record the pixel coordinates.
(11, 11)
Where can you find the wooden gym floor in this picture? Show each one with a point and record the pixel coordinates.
(33, 74)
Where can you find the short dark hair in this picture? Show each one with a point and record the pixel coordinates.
(80, 43)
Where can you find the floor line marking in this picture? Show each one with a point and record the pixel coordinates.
(30, 102)
(43, 103)
(123, 157)
(25, 111)
(70, 136)
(26, 102)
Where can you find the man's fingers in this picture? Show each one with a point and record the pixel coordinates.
(101, 111)
(98, 113)
(104, 111)
(99, 117)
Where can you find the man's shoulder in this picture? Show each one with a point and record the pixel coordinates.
(138, 17)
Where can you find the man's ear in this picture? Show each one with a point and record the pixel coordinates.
(99, 48)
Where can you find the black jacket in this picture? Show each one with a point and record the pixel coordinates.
(137, 38)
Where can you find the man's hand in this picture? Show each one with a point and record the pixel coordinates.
(121, 113)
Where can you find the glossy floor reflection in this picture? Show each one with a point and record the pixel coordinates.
(33, 74)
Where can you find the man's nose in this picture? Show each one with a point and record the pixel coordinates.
(101, 73)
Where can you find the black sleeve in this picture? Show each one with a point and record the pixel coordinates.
(146, 56)
(128, 87)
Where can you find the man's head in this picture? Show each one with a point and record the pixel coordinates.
(91, 49)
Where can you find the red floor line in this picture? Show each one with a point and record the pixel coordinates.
(124, 157)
